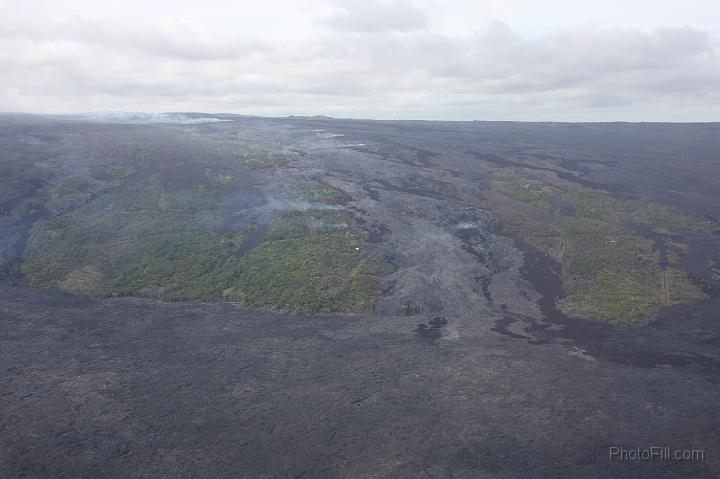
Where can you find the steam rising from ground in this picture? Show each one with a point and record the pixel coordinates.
(294, 205)
(465, 226)
(139, 118)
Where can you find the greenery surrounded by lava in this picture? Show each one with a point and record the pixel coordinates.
(610, 271)
(139, 238)
(310, 261)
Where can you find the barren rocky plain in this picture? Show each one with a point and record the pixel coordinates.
(191, 295)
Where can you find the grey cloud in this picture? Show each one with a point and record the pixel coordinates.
(661, 62)
(397, 70)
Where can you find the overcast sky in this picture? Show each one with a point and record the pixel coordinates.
(562, 60)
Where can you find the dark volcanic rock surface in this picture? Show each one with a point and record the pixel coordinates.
(465, 370)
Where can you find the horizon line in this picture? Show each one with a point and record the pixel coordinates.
(328, 117)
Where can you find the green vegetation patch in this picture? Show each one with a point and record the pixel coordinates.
(318, 191)
(78, 185)
(309, 269)
(609, 272)
(537, 191)
(143, 241)
(148, 242)
(258, 161)
(539, 234)
(525, 188)
(254, 155)
(663, 217)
